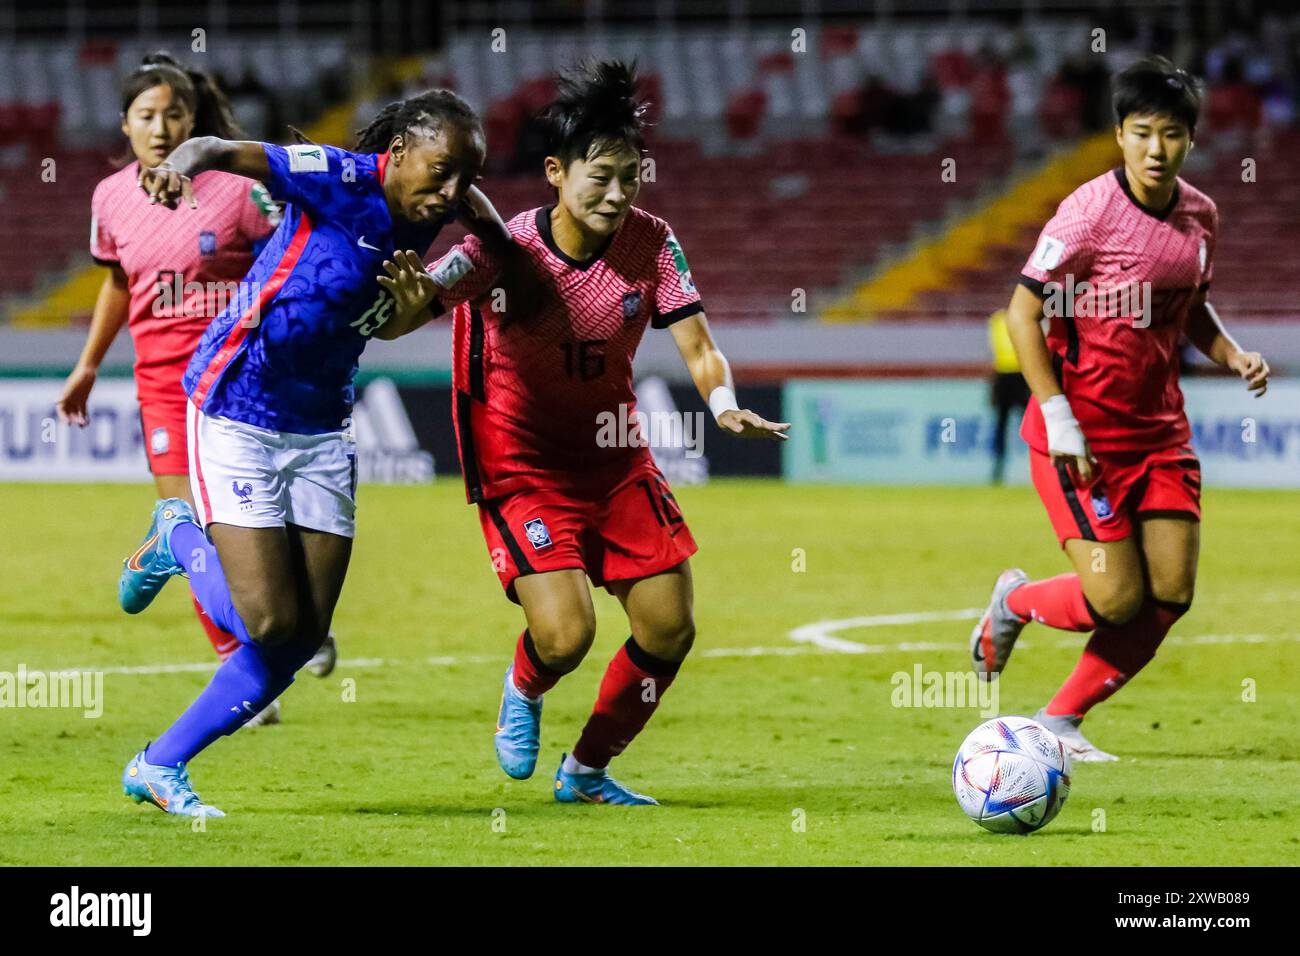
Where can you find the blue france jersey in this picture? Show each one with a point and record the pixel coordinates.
(283, 354)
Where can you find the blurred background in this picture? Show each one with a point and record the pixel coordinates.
(855, 185)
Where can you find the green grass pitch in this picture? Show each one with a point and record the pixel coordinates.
(780, 757)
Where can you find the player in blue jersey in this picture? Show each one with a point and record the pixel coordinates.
(272, 460)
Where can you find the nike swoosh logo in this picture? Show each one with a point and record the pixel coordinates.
(153, 793)
(1125, 268)
(500, 711)
(133, 562)
(365, 245)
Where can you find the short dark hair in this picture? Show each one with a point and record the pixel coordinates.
(434, 109)
(1155, 86)
(595, 108)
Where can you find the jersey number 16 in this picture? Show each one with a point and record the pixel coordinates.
(584, 360)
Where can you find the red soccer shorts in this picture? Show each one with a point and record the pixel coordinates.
(1125, 486)
(634, 531)
(163, 425)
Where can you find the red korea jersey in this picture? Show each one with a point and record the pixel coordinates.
(163, 250)
(1118, 281)
(539, 384)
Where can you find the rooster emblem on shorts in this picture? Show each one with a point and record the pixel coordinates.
(243, 492)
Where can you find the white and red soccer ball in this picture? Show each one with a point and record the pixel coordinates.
(1011, 775)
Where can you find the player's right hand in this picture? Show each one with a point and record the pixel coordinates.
(166, 186)
(1082, 465)
(1065, 440)
(72, 405)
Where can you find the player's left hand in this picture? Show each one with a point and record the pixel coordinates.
(747, 424)
(409, 283)
(1253, 369)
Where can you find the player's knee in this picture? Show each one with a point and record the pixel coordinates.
(1174, 592)
(670, 640)
(272, 624)
(679, 639)
(1118, 605)
(563, 644)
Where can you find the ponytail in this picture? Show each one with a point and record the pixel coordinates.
(213, 115)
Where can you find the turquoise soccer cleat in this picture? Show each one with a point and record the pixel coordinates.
(167, 788)
(519, 730)
(146, 571)
(597, 787)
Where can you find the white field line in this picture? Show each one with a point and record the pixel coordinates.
(820, 633)
(815, 638)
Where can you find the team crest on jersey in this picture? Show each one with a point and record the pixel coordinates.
(159, 441)
(207, 243)
(1101, 506)
(631, 305)
(244, 493)
(538, 536)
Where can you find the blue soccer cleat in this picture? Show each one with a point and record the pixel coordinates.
(519, 730)
(146, 571)
(167, 788)
(598, 787)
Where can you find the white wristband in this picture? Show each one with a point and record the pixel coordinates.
(722, 399)
(1063, 432)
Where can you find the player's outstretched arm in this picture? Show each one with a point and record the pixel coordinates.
(479, 216)
(170, 181)
(413, 291)
(712, 376)
(1207, 333)
(1065, 439)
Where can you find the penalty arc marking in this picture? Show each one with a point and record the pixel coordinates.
(818, 637)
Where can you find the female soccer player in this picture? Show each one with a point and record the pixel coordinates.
(152, 256)
(1121, 272)
(273, 465)
(539, 378)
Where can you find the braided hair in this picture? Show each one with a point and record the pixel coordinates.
(431, 110)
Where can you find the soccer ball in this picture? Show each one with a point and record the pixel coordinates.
(1011, 775)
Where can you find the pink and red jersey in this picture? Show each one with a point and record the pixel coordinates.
(162, 250)
(1118, 281)
(535, 380)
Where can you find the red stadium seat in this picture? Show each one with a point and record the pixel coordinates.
(745, 113)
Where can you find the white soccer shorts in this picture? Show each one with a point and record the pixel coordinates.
(251, 477)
